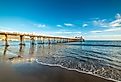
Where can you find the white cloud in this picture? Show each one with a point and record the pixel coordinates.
(96, 31)
(100, 23)
(85, 33)
(112, 30)
(116, 23)
(67, 32)
(103, 37)
(68, 24)
(59, 25)
(105, 23)
(85, 25)
(107, 30)
(94, 18)
(118, 16)
(40, 25)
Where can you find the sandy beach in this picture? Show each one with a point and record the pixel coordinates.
(33, 72)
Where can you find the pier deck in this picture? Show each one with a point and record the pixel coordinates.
(39, 38)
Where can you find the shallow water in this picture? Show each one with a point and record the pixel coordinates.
(102, 58)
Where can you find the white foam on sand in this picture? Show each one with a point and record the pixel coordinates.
(74, 70)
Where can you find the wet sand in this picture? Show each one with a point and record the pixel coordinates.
(33, 72)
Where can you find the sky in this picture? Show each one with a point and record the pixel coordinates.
(92, 19)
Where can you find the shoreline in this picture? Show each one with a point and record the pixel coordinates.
(34, 72)
(71, 69)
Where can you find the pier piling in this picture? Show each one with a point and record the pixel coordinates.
(6, 40)
(22, 40)
(32, 40)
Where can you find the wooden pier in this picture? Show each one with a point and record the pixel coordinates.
(37, 39)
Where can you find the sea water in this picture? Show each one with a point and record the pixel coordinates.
(102, 58)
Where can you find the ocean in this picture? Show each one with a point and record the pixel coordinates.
(100, 58)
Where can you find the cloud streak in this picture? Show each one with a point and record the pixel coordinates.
(100, 23)
(113, 30)
(40, 25)
(96, 31)
(59, 25)
(103, 37)
(85, 25)
(67, 32)
(68, 24)
(107, 30)
(115, 23)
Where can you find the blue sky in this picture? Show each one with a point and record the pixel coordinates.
(92, 19)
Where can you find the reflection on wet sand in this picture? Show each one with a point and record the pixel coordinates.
(19, 57)
(34, 52)
(21, 50)
(4, 58)
(31, 52)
